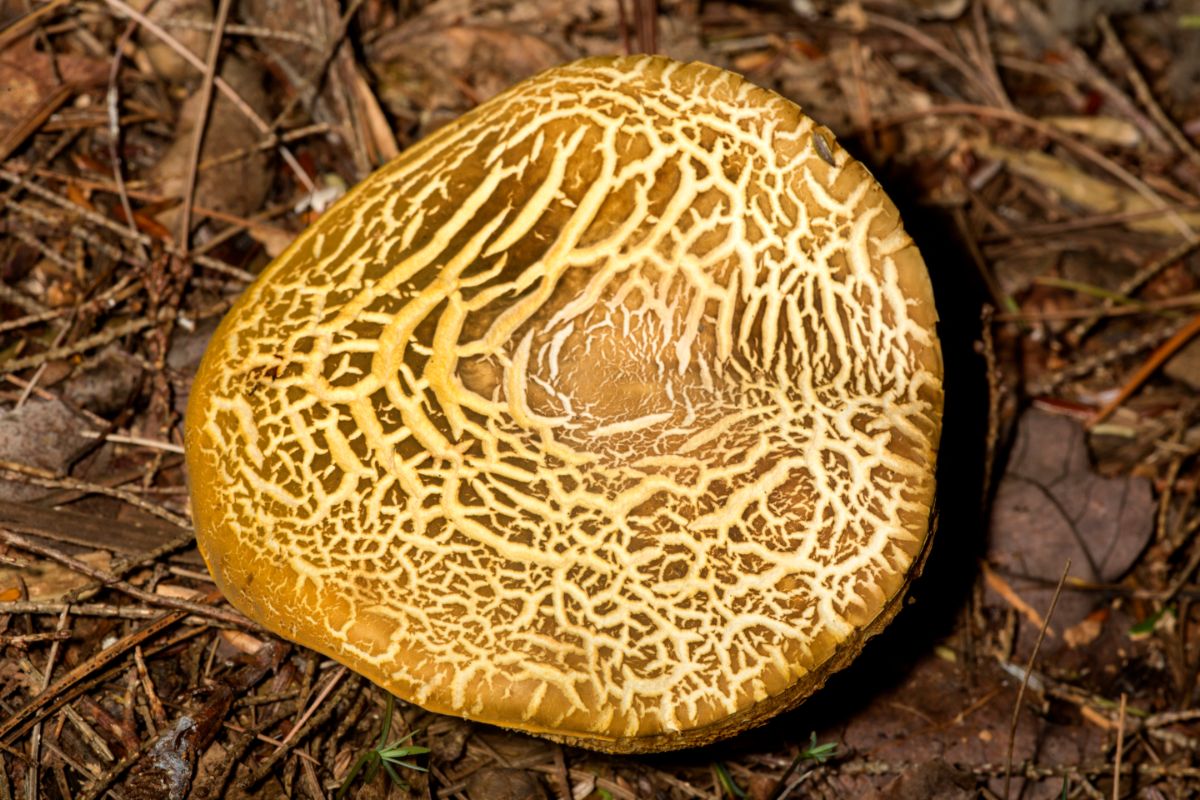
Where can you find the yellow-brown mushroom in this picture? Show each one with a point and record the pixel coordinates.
(608, 412)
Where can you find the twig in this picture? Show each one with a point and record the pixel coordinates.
(112, 107)
(220, 83)
(623, 24)
(1146, 97)
(1083, 223)
(316, 703)
(1123, 349)
(1116, 791)
(1176, 769)
(42, 477)
(86, 610)
(564, 775)
(254, 31)
(136, 441)
(184, 236)
(1126, 310)
(1012, 729)
(70, 684)
(110, 580)
(1164, 351)
(988, 61)
(1136, 281)
(1050, 132)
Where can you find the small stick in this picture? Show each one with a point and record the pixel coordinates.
(44, 477)
(86, 610)
(1156, 359)
(1080, 149)
(1135, 282)
(206, 96)
(564, 775)
(1012, 730)
(156, 707)
(27, 638)
(623, 24)
(988, 59)
(1116, 792)
(1145, 96)
(325, 690)
(225, 88)
(113, 108)
(108, 579)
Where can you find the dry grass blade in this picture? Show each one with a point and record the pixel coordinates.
(1012, 730)
(206, 89)
(1116, 790)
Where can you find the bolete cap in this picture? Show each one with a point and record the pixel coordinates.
(608, 412)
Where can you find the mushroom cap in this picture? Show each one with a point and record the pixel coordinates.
(608, 412)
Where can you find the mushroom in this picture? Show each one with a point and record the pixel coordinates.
(608, 413)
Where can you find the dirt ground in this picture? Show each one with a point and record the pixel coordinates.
(1046, 159)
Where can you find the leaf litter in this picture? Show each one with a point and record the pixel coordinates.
(1044, 157)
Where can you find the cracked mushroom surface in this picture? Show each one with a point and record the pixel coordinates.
(608, 412)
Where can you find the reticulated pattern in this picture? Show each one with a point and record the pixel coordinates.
(607, 412)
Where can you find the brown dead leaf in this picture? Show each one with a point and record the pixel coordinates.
(375, 129)
(940, 711)
(242, 642)
(237, 187)
(30, 91)
(41, 433)
(1051, 506)
(1087, 631)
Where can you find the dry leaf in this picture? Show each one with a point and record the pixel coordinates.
(41, 433)
(30, 89)
(1108, 130)
(1050, 507)
(162, 57)
(236, 187)
(242, 642)
(1080, 188)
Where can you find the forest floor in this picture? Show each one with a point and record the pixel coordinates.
(1046, 159)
